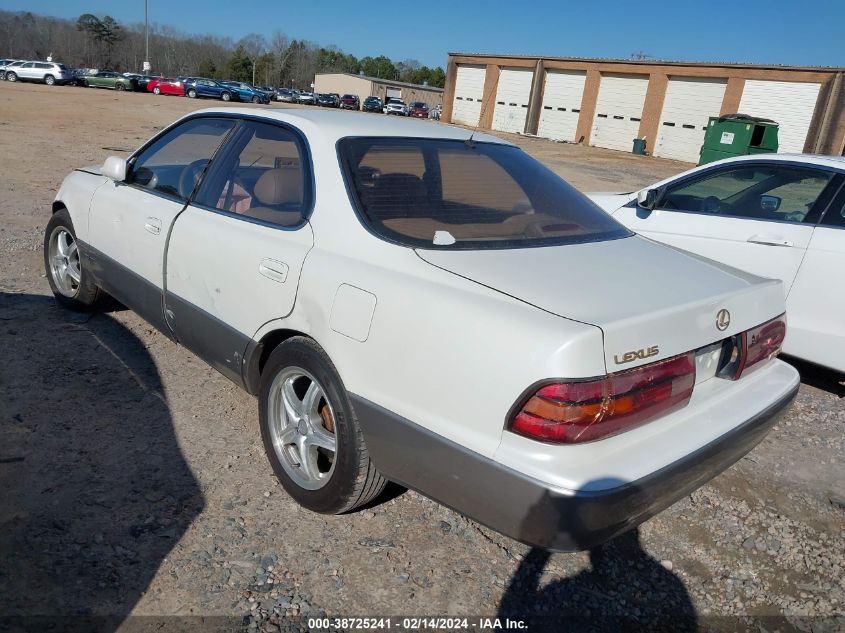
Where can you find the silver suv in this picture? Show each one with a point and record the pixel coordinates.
(49, 73)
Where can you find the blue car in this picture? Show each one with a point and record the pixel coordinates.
(199, 87)
(247, 93)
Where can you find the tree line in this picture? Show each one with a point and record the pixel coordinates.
(101, 42)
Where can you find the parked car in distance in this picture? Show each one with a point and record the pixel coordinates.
(286, 95)
(418, 109)
(306, 98)
(372, 104)
(434, 113)
(49, 73)
(208, 88)
(142, 82)
(350, 102)
(396, 106)
(166, 86)
(327, 100)
(3, 64)
(246, 93)
(106, 79)
(459, 238)
(774, 215)
(11, 69)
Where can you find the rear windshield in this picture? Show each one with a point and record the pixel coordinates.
(448, 194)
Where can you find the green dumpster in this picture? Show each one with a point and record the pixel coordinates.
(738, 135)
(639, 146)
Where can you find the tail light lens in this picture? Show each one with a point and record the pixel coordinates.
(575, 412)
(761, 343)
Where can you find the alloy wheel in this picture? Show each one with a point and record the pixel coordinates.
(65, 267)
(302, 427)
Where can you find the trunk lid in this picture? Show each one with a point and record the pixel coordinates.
(651, 301)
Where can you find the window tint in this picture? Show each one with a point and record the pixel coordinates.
(261, 176)
(762, 192)
(174, 162)
(436, 193)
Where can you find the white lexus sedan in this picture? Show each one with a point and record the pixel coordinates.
(775, 215)
(429, 305)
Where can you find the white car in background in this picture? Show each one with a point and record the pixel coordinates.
(396, 106)
(430, 305)
(774, 215)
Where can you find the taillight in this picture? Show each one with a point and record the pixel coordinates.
(761, 343)
(574, 412)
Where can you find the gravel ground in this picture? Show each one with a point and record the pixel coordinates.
(134, 481)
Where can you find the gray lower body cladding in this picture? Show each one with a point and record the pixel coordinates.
(528, 510)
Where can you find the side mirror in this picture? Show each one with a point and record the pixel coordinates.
(770, 203)
(647, 198)
(114, 167)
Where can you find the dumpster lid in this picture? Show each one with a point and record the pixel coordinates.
(746, 118)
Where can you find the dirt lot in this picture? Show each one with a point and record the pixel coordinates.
(134, 480)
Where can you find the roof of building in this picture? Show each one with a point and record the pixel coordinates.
(387, 81)
(652, 62)
(334, 124)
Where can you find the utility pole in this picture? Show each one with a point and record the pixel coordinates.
(147, 66)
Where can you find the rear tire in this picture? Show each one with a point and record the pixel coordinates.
(69, 280)
(50, 80)
(300, 397)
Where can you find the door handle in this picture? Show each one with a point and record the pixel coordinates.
(153, 225)
(769, 240)
(273, 269)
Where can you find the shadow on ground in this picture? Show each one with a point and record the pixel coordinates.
(95, 491)
(819, 377)
(624, 589)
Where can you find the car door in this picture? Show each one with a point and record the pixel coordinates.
(757, 217)
(236, 252)
(129, 221)
(28, 71)
(816, 305)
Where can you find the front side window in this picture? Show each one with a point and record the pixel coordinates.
(437, 193)
(261, 176)
(835, 215)
(173, 163)
(760, 192)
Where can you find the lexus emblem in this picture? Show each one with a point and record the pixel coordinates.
(723, 320)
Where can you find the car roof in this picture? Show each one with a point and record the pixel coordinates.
(836, 162)
(336, 124)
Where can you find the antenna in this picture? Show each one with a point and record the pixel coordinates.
(469, 142)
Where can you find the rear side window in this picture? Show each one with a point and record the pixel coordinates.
(437, 193)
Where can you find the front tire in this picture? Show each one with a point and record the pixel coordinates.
(310, 433)
(226, 96)
(192, 94)
(70, 282)
(157, 90)
(11, 76)
(120, 87)
(256, 99)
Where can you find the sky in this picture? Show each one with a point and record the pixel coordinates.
(792, 32)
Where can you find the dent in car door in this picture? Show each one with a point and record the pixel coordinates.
(129, 221)
(235, 255)
(738, 229)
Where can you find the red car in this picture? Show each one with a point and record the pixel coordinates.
(418, 109)
(166, 86)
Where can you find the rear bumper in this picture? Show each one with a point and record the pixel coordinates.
(530, 511)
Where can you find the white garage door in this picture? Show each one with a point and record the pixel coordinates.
(512, 99)
(791, 104)
(619, 108)
(469, 88)
(561, 104)
(689, 103)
